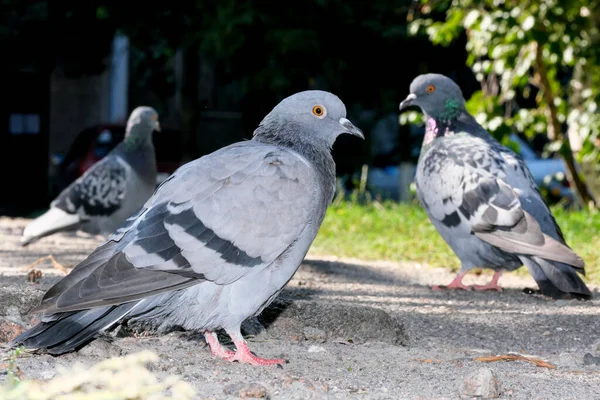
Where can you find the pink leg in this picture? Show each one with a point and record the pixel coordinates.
(216, 349)
(493, 284)
(455, 284)
(244, 356)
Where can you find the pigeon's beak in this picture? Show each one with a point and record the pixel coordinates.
(408, 101)
(157, 126)
(351, 128)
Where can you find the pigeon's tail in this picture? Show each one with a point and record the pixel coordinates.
(52, 221)
(69, 331)
(556, 279)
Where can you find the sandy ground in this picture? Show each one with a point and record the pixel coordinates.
(352, 329)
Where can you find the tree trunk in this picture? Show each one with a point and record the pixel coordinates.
(554, 133)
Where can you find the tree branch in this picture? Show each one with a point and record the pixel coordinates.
(554, 131)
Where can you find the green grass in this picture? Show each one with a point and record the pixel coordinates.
(402, 232)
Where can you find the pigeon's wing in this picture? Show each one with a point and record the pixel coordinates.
(214, 219)
(472, 197)
(98, 192)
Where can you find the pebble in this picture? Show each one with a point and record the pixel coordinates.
(246, 390)
(482, 384)
(589, 359)
(316, 349)
(315, 334)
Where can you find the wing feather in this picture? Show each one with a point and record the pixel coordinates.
(472, 197)
(214, 219)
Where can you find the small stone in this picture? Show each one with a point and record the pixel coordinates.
(101, 348)
(481, 384)
(245, 390)
(315, 334)
(589, 359)
(9, 330)
(316, 349)
(561, 303)
(547, 333)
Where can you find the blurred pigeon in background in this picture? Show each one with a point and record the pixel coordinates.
(483, 200)
(217, 241)
(110, 191)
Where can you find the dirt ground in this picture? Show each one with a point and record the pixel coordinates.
(352, 329)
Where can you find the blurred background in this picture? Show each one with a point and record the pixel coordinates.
(72, 71)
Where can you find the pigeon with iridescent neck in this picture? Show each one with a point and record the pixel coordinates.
(107, 193)
(482, 198)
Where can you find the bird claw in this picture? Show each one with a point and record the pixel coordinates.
(243, 355)
(246, 357)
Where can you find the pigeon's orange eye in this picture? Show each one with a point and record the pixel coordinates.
(319, 111)
(430, 88)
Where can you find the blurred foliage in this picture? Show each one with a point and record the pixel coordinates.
(347, 46)
(537, 62)
(115, 378)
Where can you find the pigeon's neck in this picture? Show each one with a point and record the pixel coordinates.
(453, 121)
(137, 137)
(317, 151)
(138, 152)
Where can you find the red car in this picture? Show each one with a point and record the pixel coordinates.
(93, 143)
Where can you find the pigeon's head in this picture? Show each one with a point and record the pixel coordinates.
(142, 122)
(313, 115)
(437, 96)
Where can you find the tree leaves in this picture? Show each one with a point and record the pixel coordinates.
(503, 37)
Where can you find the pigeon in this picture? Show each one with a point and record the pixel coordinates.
(111, 190)
(216, 242)
(483, 200)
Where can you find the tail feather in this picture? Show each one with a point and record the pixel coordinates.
(556, 279)
(72, 330)
(52, 221)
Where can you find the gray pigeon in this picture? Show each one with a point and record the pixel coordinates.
(110, 191)
(482, 198)
(217, 241)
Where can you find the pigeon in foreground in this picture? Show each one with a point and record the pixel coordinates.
(216, 242)
(482, 198)
(107, 193)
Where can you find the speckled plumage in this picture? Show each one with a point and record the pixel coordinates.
(109, 191)
(482, 198)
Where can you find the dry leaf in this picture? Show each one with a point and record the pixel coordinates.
(516, 357)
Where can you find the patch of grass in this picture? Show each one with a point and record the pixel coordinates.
(402, 232)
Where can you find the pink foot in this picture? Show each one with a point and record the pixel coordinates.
(216, 349)
(493, 285)
(244, 356)
(455, 284)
